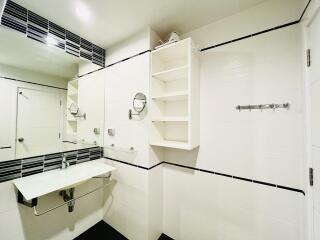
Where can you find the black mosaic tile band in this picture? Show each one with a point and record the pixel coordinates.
(13, 169)
(42, 30)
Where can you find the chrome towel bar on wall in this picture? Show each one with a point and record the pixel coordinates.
(261, 107)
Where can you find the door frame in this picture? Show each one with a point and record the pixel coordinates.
(313, 12)
(41, 89)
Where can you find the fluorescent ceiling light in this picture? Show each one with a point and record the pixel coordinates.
(51, 41)
(82, 11)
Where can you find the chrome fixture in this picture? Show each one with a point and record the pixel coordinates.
(261, 107)
(111, 132)
(75, 111)
(139, 104)
(65, 162)
(68, 198)
(96, 131)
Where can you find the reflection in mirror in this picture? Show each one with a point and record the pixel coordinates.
(34, 79)
(139, 104)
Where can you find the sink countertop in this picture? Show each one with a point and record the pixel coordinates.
(43, 183)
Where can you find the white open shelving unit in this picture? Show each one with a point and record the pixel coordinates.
(175, 96)
(72, 98)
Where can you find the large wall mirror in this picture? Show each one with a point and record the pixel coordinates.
(34, 79)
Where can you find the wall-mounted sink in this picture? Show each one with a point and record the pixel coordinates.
(35, 186)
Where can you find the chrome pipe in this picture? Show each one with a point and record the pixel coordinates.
(37, 213)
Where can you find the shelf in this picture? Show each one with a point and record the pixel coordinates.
(170, 144)
(170, 119)
(174, 96)
(174, 50)
(174, 105)
(172, 74)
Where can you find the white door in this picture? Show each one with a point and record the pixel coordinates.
(38, 122)
(313, 32)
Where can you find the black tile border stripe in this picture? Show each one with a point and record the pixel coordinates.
(260, 32)
(39, 84)
(120, 61)
(304, 10)
(214, 173)
(214, 46)
(130, 164)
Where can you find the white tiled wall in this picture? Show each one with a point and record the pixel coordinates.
(134, 206)
(203, 206)
(256, 145)
(266, 146)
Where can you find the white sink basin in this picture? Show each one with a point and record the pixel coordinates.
(43, 183)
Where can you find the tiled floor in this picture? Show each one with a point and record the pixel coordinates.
(101, 231)
(165, 237)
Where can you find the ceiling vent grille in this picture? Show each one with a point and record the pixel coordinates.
(37, 27)
(15, 17)
(72, 44)
(42, 30)
(97, 55)
(86, 49)
(58, 34)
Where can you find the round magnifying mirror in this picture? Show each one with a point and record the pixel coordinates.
(74, 109)
(139, 102)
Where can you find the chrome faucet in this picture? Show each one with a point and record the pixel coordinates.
(65, 162)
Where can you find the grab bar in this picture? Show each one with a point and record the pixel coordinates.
(35, 210)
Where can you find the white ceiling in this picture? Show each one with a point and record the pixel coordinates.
(105, 22)
(19, 51)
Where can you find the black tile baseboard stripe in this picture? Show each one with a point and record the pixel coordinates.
(13, 169)
(130, 164)
(261, 32)
(238, 178)
(120, 61)
(38, 84)
(214, 173)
